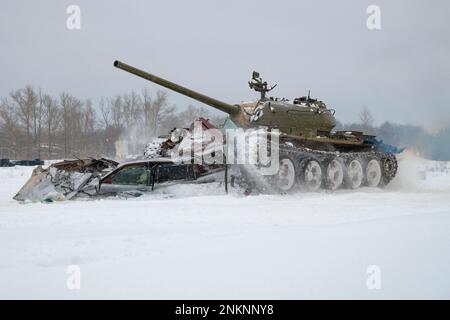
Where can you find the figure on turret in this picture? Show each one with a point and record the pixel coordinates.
(258, 85)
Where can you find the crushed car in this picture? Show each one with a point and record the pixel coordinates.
(91, 178)
(138, 177)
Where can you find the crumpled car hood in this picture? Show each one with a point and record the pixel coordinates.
(65, 180)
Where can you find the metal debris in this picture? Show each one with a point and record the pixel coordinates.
(65, 180)
(163, 147)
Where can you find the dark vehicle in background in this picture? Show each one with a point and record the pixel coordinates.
(34, 162)
(141, 176)
(12, 163)
(6, 163)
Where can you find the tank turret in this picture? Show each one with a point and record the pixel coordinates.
(304, 117)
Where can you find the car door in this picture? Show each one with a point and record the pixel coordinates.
(131, 178)
(169, 172)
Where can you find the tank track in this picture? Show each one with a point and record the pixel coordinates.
(388, 161)
(300, 156)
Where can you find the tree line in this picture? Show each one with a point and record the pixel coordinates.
(431, 146)
(34, 124)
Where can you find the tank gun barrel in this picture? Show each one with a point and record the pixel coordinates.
(223, 106)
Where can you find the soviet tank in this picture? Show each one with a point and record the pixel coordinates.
(311, 154)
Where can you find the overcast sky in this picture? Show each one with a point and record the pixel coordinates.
(401, 72)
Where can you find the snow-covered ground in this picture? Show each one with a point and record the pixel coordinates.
(192, 242)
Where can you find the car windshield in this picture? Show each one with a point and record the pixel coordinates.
(131, 175)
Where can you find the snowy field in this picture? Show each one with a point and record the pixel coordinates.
(192, 242)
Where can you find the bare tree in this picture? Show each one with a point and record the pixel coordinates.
(365, 116)
(38, 118)
(53, 116)
(71, 119)
(116, 107)
(131, 109)
(88, 123)
(155, 112)
(26, 100)
(105, 113)
(10, 129)
(148, 114)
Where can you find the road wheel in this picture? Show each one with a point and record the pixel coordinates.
(286, 176)
(355, 174)
(373, 173)
(312, 175)
(334, 174)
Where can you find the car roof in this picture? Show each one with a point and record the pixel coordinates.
(141, 161)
